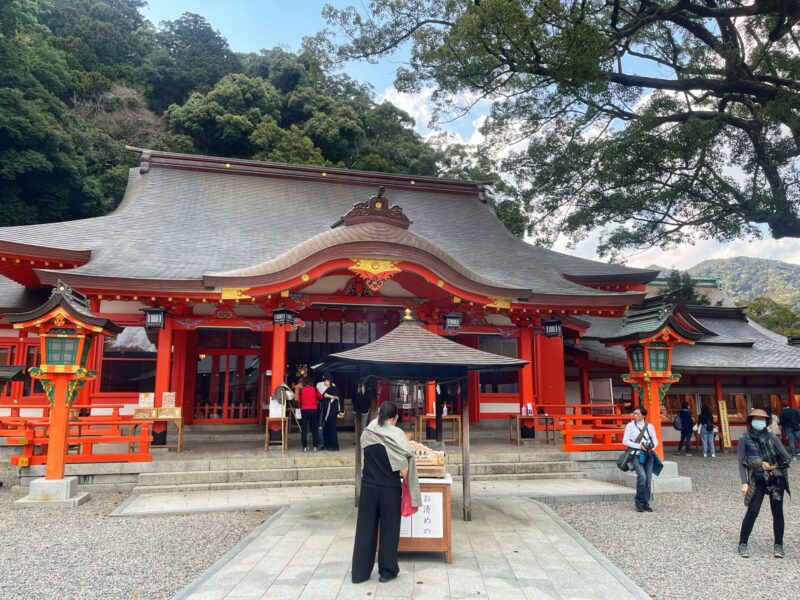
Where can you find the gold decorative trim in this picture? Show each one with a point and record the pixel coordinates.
(374, 266)
(233, 293)
(500, 303)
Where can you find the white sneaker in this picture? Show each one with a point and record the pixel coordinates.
(705, 455)
(713, 456)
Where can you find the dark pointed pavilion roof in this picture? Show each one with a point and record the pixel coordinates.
(75, 303)
(653, 315)
(411, 351)
(193, 223)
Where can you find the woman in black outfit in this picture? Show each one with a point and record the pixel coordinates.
(330, 407)
(387, 457)
(763, 464)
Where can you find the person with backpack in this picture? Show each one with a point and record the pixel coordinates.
(684, 423)
(706, 423)
(641, 436)
(763, 470)
(790, 423)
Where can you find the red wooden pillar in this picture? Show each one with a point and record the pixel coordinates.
(584, 373)
(430, 395)
(473, 382)
(526, 373)
(527, 379)
(278, 365)
(58, 430)
(190, 377)
(790, 392)
(163, 370)
(549, 383)
(180, 337)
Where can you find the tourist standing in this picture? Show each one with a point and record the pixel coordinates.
(763, 464)
(309, 403)
(790, 422)
(706, 423)
(330, 407)
(386, 457)
(643, 457)
(686, 429)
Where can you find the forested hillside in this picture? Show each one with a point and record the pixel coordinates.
(746, 278)
(80, 79)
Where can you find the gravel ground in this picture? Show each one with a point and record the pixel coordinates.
(687, 548)
(84, 554)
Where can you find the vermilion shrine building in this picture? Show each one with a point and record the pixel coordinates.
(221, 244)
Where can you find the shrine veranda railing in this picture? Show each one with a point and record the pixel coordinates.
(91, 439)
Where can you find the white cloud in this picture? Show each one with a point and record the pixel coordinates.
(687, 255)
(418, 105)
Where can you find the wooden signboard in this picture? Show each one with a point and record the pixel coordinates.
(168, 399)
(429, 529)
(430, 463)
(724, 426)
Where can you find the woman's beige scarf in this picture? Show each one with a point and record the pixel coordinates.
(397, 449)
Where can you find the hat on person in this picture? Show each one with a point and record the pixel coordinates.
(757, 412)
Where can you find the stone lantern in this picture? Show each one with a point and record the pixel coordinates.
(66, 328)
(649, 332)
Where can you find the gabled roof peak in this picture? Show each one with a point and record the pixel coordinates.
(375, 210)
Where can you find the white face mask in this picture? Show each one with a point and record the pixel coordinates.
(758, 424)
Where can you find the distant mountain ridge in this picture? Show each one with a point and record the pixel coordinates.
(746, 278)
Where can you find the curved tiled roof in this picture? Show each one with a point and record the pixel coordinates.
(410, 344)
(739, 346)
(181, 225)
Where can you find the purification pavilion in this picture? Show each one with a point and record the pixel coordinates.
(251, 272)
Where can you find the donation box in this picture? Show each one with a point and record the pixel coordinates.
(429, 529)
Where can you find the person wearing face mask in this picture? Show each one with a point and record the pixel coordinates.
(641, 435)
(763, 464)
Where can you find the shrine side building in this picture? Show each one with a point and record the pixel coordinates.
(223, 245)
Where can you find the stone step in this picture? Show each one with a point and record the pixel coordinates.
(524, 476)
(337, 472)
(240, 485)
(249, 485)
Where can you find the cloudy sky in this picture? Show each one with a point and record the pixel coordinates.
(256, 24)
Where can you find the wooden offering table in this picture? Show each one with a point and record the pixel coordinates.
(420, 432)
(284, 429)
(429, 529)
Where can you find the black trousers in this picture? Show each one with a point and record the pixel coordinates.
(308, 422)
(755, 507)
(686, 438)
(378, 510)
(330, 439)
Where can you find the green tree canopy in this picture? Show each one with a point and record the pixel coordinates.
(680, 283)
(190, 56)
(657, 121)
(80, 79)
(773, 315)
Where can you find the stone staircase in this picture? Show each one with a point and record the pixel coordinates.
(325, 468)
(232, 458)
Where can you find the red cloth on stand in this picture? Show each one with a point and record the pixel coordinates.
(406, 509)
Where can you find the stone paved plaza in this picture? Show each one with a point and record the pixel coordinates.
(514, 547)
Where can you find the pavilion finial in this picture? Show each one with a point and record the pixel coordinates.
(408, 316)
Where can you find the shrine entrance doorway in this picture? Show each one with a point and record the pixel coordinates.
(228, 377)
